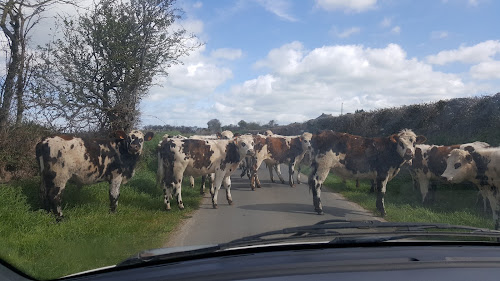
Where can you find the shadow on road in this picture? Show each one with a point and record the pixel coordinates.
(301, 209)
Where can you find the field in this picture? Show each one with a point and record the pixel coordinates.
(90, 236)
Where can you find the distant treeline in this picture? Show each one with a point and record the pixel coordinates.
(444, 122)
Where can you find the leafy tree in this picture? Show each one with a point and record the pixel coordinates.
(243, 124)
(95, 75)
(214, 126)
(17, 18)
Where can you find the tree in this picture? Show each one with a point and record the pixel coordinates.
(17, 18)
(95, 76)
(243, 124)
(272, 123)
(214, 126)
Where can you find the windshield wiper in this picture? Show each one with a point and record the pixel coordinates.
(342, 232)
(352, 232)
(164, 254)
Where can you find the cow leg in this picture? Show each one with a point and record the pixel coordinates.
(219, 177)
(254, 178)
(315, 181)
(203, 180)
(167, 195)
(212, 181)
(298, 174)
(357, 182)
(270, 168)
(381, 187)
(423, 183)
(372, 186)
(54, 195)
(191, 181)
(227, 186)
(484, 195)
(178, 191)
(277, 168)
(291, 173)
(114, 193)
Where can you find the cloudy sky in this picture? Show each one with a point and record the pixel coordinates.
(291, 61)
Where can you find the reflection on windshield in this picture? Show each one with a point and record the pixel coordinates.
(127, 126)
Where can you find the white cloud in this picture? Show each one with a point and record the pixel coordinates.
(478, 53)
(226, 53)
(279, 8)
(347, 5)
(303, 84)
(486, 70)
(386, 22)
(396, 30)
(284, 59)
(439, 34)
(348, 32)
(197, 5)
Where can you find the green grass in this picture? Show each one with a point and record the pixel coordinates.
(455, 204)
(90, 236)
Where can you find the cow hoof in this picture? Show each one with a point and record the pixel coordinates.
(230, 202)
(292, 185)
(59, 219)
(282, 182)
(181, 207)
(215, 206)
(272, 181)
(320, 212)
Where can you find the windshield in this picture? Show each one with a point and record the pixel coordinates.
(134, 125)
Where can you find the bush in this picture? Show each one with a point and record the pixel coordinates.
(17, 151)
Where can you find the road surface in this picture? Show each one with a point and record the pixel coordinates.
(272, 207)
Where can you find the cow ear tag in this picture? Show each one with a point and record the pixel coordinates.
(393, 138)
(120, 135)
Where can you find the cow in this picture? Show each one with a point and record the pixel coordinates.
(356, 157)
(481, 167)
(430, 162)
(86, 161)
(196, 157)
(275, 150)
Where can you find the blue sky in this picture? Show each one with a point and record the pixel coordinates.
(291, 61)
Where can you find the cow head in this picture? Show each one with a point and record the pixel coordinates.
(245, 145)
(459, 166)
(225, 135)
(134, 141)
(406, 141)
(305, 140)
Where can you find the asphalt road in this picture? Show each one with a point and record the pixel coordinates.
(272, 207)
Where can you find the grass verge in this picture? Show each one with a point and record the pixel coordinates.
(89, 237)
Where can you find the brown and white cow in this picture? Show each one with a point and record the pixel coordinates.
(276, 150)
(87, 161)
(481, 166)
(356, 157)
(195, 157)
(429, 163)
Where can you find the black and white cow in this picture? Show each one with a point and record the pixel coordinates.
(196, 157)
(430, 162)
(356, 157)
(481, 166)
(87, 161)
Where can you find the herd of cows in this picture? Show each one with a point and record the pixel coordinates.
(86, 161)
